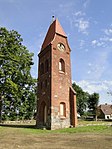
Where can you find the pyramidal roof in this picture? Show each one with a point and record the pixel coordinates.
(54, 28)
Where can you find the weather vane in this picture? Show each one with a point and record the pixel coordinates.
(53, 18)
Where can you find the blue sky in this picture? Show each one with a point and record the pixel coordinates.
(88, 25)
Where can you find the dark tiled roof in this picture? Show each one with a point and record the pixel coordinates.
(106, 109)
(54, 28)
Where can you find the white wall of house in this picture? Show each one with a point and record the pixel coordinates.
(108, 117)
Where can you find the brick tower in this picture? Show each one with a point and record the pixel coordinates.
(56, 103)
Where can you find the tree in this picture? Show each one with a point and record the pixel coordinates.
(93, 101)
(17, 86)
(82, 98)
(0, 108)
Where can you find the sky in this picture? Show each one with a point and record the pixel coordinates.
(88, 25)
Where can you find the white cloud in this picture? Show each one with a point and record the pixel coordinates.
(89, 64)
(82, 25)
(101, 87)
(99, 43)
(82, 43)
(108, 31)
(77, 19)
(89, 72)
(105, 39)
(99, 67)
(79, 13)
(94, 42)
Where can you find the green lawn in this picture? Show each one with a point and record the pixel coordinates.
(83, 137)
(83, 129)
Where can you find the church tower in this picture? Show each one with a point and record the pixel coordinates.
(56, 103)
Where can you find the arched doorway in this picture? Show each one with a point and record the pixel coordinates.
(43, 113)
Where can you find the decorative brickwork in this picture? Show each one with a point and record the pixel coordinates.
(56, 104)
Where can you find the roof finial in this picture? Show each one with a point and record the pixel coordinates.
(53, 18)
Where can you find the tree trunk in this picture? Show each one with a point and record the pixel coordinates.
(95, 117)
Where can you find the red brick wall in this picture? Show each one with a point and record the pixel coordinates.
(44, 93)
(60, 82)
(58, 86)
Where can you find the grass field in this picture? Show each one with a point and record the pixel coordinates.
(85, 137)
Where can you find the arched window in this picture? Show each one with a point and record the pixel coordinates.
(43, 113)
(46, 65)
(62, 109)
(61, 65)
(42, 69)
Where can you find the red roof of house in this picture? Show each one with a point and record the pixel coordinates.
(106, 109)
(54, 28)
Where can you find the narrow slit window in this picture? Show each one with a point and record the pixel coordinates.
(62, 65)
